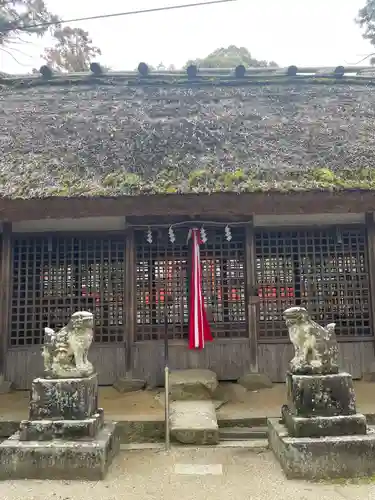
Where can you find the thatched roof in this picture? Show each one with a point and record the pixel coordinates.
(118, 135)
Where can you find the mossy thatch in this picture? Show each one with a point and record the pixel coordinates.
(112, 137)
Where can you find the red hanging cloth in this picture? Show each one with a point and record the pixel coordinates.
(199, 328)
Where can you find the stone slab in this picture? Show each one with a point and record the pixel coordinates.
(192, 385)
(322, 458)
(320, 395)
(340, 425)
(160, 398)
(369, 377)
(5, 386)
(255, 381)
(47, 430)
(129, 384)
(84, 459)
(63, 399)
(194, 422)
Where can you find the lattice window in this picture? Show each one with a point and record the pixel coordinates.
(322, 270)
(161, 285)
(53, 277)
(224, 283)
(163, 272)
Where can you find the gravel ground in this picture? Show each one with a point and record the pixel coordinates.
(208, 474)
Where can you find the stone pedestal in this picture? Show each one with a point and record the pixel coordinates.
(65, 437)
(320, 395)
(320, 433)
(321, 405)
(70, 399)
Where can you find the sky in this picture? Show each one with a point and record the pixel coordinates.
(298, 32)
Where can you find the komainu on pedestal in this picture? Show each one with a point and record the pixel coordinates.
(65, 436)
(320, 434)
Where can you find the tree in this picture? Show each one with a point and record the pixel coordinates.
(366, 20)
(162, 67)
(230, 57)
(16, 16)
(73, 50)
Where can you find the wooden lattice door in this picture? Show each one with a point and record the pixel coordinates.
(324, 270)
(55, 276)
(163, 275)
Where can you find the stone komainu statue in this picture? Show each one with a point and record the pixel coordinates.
(65, 351)
(316, 349)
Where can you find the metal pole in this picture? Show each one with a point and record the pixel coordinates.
(166, 378)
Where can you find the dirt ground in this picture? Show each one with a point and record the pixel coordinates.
(190, 474)
(144, 405)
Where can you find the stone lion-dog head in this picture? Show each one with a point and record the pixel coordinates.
(296, 315)
(82, 320)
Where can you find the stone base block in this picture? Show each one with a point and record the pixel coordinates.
(322, 458)
(255, 381)
(5, 385)
(194, 422)
(192, 385)
(322, 395)
(85, 459)
(369, 377)
(47, 430)
(341, 425)
(64, 399)
(129, 384)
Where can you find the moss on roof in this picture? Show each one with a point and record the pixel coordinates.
(84, 136)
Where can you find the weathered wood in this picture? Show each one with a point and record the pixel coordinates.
(23, 365)
(370, 228)
(229, 359)
(212, 205)
(5, 292)
(251, 297)
(355, 358)
(130, 299)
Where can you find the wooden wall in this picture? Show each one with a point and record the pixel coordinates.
(23, 365)
(229, 358)
(355, 358)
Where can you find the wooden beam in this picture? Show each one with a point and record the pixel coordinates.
(210, 206)
(5, 292)
(252, 299)
(370, 229)
(130, 299)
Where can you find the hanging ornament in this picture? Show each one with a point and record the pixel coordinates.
(228, 233)
(172, 236)
(149, 236)
(203, 235)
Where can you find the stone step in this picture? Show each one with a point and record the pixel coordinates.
(192, 385)
(194, 422)
(242, 433)
(47, 430)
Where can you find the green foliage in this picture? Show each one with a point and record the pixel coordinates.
(16, 16)
(366, 20)
(230, 57)
(324, 175)
(73, 50)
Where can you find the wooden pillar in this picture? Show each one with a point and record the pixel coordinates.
(370, 229)
(130, 311)
(5, 292)
(252, 299)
